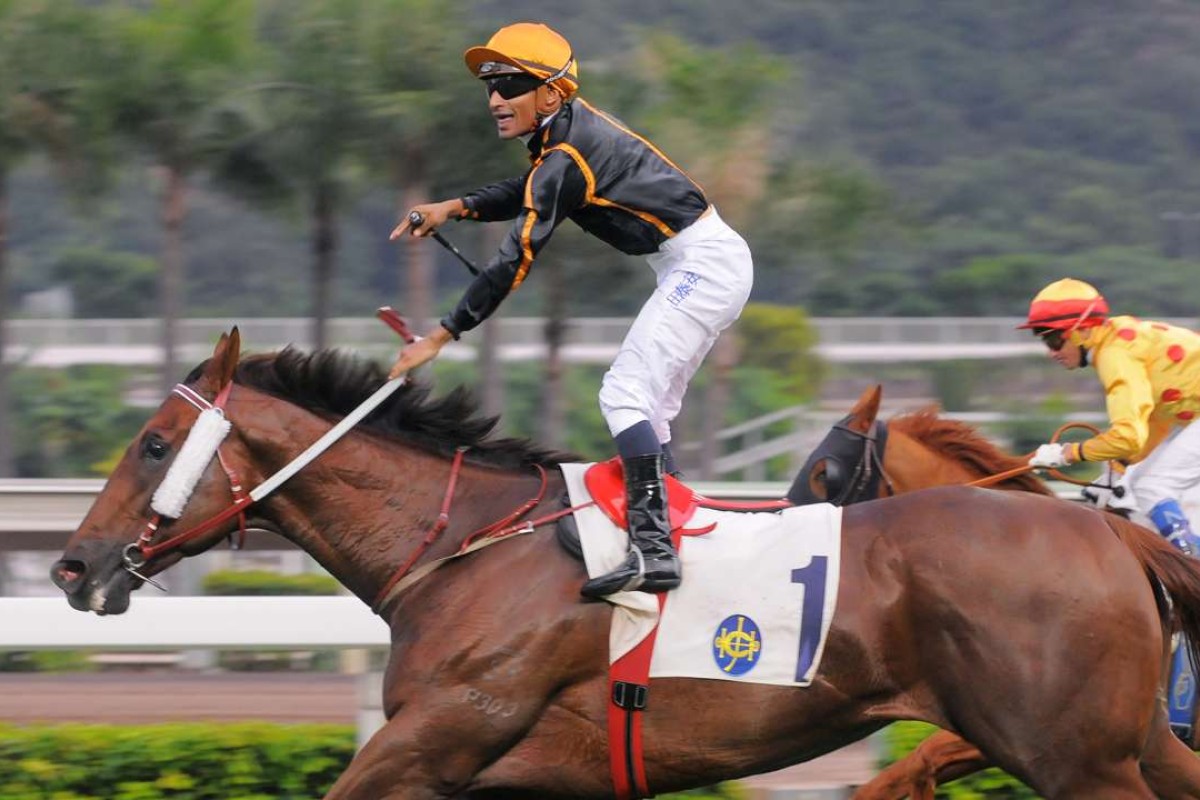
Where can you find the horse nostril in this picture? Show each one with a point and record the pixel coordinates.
(67, 573)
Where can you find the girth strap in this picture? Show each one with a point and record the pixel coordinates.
(628, 698)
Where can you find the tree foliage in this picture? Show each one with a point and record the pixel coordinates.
(907, 159)
(864, 153)
(73, 422)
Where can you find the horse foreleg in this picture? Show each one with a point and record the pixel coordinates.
(941, 758)
(436, 750)
(395, 764)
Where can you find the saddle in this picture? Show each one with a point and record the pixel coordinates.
(605, 482)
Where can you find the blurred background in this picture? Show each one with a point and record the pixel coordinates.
(908, 174)
(174, 168)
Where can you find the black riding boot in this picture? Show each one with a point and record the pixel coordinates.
(652, 564)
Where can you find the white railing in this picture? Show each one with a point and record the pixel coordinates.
(227, 623)
(746, 447)
(275, 331)
(258, 623)
(56, 342)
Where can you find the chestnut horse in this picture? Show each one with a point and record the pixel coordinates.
(925, 450)
(975, 610)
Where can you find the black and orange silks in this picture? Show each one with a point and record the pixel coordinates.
(588, 167)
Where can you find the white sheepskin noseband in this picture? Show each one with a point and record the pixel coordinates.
(197, 451)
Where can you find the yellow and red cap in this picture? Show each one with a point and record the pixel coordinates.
(1067, 305)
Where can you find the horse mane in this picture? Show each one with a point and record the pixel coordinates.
(333, 383)
(960, 442)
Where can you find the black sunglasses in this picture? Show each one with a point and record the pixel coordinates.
(512, 86)
(1053, 338)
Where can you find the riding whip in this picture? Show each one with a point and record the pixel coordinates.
(415, 219)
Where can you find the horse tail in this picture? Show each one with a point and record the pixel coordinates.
(1176, 572)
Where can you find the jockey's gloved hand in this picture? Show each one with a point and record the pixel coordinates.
(1050, 456)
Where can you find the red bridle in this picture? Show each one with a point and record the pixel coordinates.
(138, 553)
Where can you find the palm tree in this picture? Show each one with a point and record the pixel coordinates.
(167, 66)
(44, 47)
(414, 84)
(294, 137)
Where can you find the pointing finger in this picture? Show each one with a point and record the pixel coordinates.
(399, 231)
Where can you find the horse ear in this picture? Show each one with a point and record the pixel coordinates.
(220, 368)
(866, 409)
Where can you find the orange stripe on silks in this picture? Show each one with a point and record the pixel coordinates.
(641, 139)
(526, 251)
(588, 176)
(590, 197)
(590, 179)
(643, 215)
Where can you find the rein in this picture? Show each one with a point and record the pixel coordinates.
(1000, 477)
(489, 534)
(498, 531)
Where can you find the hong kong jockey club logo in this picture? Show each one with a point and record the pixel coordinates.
(737, 645)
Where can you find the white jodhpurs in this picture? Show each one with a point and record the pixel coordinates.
(704, 276)
(1168, 473)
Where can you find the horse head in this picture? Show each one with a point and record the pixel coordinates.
(862, 457)
(847, 466)
(360, 511)
(116, 547)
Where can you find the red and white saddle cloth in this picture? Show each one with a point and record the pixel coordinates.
(759, 588)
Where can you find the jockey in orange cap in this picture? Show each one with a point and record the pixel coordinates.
(1151, 377)
(588, 167)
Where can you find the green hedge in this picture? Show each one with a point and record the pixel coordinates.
(45, 661)
(248, 761)
(264, 582)
(903, 737)
(202, 761)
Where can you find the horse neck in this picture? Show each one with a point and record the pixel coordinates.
(912, 465)
(363, 507)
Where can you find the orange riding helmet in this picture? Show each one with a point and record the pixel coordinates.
(529, 47)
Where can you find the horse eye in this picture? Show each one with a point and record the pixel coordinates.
(817, 480)
(155, 448)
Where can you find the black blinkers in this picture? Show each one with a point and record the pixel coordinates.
(853, 466)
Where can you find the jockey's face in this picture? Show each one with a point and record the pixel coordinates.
(1070, 355)
(519, 115)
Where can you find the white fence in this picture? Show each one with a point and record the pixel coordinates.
(58, 342)
(257, 623)
(226, 623)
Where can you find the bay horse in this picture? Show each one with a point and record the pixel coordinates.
(956, 606)
(924, 450)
